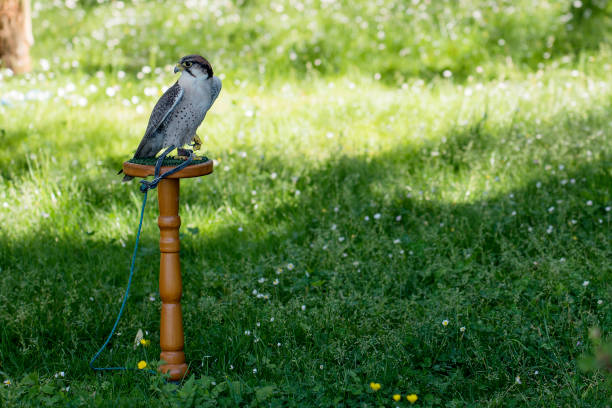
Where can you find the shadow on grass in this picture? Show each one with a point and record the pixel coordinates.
(375, 305)
(469, 259)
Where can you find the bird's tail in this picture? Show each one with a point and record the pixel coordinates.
(126, 178)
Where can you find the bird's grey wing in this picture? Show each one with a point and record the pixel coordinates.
(163, 108)
(215, 89)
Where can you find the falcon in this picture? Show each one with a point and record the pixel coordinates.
(181, 109)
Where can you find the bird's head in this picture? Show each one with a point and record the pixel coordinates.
(194, 65)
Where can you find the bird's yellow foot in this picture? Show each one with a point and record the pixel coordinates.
(197, 143)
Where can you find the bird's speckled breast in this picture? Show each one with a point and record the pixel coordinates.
(188, 114)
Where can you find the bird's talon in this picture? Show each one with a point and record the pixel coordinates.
(197, 142)
(183, 154)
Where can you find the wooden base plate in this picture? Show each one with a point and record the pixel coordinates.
(194, 170)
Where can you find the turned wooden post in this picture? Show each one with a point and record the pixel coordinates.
(170, 284)
(171, 338)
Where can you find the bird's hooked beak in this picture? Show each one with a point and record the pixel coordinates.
(178, 68)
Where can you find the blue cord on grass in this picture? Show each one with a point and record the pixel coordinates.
(127, 291)
(145, 187)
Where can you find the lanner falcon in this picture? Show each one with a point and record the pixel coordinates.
(181, 109)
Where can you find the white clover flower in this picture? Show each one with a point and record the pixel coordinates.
(377, 216)
(518, 380)
(585, 283)
(44, 64)
(303, 307)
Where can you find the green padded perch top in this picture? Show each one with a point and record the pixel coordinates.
(169, 161)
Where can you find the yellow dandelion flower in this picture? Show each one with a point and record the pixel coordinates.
(397, 397)
(142, 364)
(145, 342)
(375, 386)
(412, 398)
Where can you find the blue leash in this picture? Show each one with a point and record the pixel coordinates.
(145, 187)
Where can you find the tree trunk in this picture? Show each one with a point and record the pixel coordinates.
(15, 35)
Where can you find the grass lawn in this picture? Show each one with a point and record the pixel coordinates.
(428, 208)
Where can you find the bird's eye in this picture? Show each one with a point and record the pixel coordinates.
(188, 64)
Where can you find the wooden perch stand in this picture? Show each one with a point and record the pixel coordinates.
(171, 336)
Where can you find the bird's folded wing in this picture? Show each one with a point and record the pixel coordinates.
(163, 108)
(215, 89)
